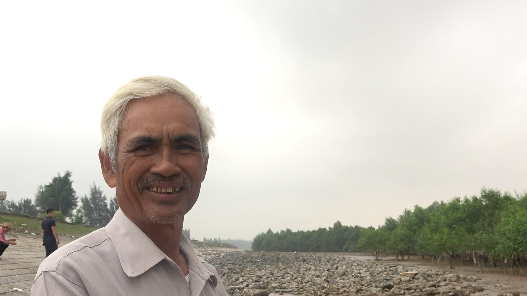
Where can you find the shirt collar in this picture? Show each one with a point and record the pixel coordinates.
(138, 253)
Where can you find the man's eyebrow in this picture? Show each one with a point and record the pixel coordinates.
(141, 140)
(186, 138)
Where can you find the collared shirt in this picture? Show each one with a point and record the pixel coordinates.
(120, 259)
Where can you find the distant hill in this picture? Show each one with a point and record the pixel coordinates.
(241, 244)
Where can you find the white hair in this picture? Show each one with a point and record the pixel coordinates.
(145, 87)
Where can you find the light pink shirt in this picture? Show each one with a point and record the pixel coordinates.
(2, 235)
(120, 259)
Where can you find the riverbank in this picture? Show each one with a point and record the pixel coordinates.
(259, 273)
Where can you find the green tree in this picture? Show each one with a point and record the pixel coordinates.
(11, 207)
(94, 208)
(114, 206)
(372, 240)
(58, 194)
(58, 216)
(493, 203)
(257, 242)
(26, 206)
(512, 232)
(406, 233)
(3, 206)
(353, 235)
(269, 242)
(78, 217)
(391, 244)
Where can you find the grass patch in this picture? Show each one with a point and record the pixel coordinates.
(21, 224)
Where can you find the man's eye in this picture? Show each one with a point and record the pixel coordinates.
(141, 148)
(186, 148)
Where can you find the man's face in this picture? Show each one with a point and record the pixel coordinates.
(160, 163)
(51, 214)
(6, 228)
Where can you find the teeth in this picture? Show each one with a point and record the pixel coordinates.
(164, 190)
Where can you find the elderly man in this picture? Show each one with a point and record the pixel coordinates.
(154, 152)
(4, 243)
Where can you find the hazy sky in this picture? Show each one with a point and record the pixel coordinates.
(325, 110)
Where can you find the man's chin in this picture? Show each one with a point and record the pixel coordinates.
(164, 217)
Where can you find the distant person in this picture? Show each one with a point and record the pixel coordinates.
(49, 233)
(4, 243)
(154, 152)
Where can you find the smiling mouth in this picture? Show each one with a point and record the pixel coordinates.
(164, 185)
(164, 190)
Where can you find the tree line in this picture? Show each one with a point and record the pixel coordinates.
(339, 238)
(487, 229)
(92, 209)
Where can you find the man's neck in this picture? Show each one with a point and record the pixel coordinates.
(167, 237)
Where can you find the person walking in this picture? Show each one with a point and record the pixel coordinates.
(4, 243)
(49, 233)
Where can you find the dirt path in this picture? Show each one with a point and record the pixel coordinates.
(19, 263)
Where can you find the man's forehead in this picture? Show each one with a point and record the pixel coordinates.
(159, 111)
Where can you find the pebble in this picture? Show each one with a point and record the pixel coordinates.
(263, 273)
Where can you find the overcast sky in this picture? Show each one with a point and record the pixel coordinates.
(325, 110)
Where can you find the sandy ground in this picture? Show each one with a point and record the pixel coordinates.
(20, 262)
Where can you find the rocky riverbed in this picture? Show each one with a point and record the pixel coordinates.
(262, 273)
(257, 273)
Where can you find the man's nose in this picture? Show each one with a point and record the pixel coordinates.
(166, 163)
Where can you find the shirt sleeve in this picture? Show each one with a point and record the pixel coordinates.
(51, 283)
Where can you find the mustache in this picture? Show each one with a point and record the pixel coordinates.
(146, 181)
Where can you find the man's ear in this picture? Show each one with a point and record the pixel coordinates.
(107, 170)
